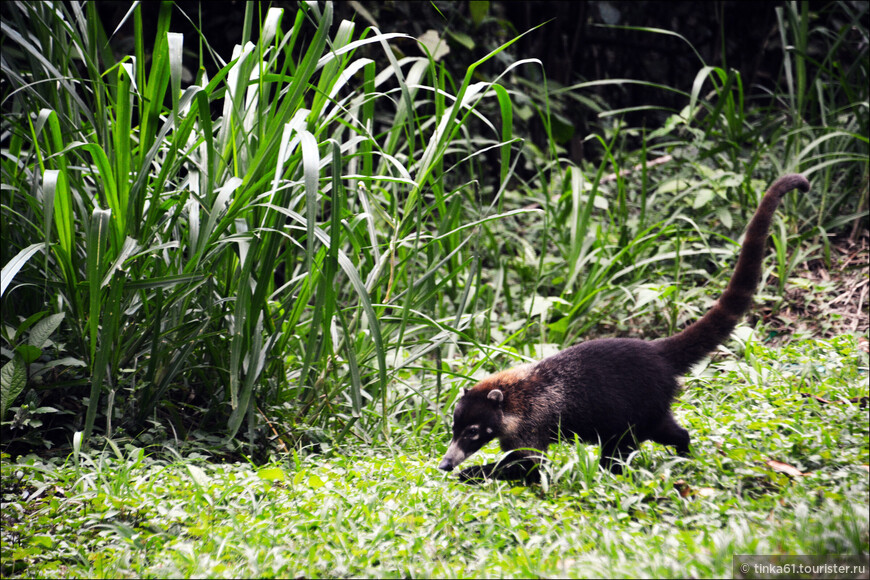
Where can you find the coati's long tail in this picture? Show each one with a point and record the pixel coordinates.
(692, 344)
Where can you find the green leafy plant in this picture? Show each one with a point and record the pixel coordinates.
(29, 359)
(273, 253)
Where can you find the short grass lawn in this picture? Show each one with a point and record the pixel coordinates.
(779, 466)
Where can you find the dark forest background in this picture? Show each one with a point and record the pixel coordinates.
(576, 42)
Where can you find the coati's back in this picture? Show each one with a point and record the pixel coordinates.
(608, 384)
(616, 392)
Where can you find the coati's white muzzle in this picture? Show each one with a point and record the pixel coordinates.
(453, 457)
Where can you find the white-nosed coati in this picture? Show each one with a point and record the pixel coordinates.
(612, 391)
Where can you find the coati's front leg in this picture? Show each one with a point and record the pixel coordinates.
(614, 453)
(516, 465)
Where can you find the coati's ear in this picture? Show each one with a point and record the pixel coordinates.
(495, 395)
(464, 391)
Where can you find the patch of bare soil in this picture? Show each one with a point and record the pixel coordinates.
(834, 298)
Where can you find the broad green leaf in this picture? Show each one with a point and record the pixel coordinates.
(725, 217)
(271, 474)
(311, 173)
(175, 45)
(104, 362)
(98, 236)
(13, 378)
(118, 196)
(507, 127)
(43, 541)
(57, 190)
(77, 446)
(217, 211)
(66, 361)
(478, 9)
(154, 88)
(129, 248)
(28, 322)
(703, 197)
(562, 128)
(29, 353)
(44, 329)
(465, 40)
(165, 281)
(271, 24)
(198, 475)
(434, 44)
(331, 71)
(676, 185)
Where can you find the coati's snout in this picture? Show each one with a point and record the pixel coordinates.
(463, 445)
(452, 458)
(474, 425)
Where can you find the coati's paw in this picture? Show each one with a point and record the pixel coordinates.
(533, 475)
(474, 474)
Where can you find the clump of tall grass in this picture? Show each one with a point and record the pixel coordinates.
(305, 241)
(212, 266)
(636, 229)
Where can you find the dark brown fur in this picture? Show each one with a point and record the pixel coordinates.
(612, 391)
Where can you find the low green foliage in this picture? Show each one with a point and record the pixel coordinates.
(773, 471)
(276, 249)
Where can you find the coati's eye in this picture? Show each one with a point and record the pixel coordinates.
(472, 432)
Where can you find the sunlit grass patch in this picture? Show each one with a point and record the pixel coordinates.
(378, 511)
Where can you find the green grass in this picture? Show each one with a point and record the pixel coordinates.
(385, 511)
(303, 257)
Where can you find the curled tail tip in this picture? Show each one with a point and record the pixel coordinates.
(788, 182)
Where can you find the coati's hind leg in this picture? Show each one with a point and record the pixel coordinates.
(615, 451)
(669, 432)
(516, 465)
